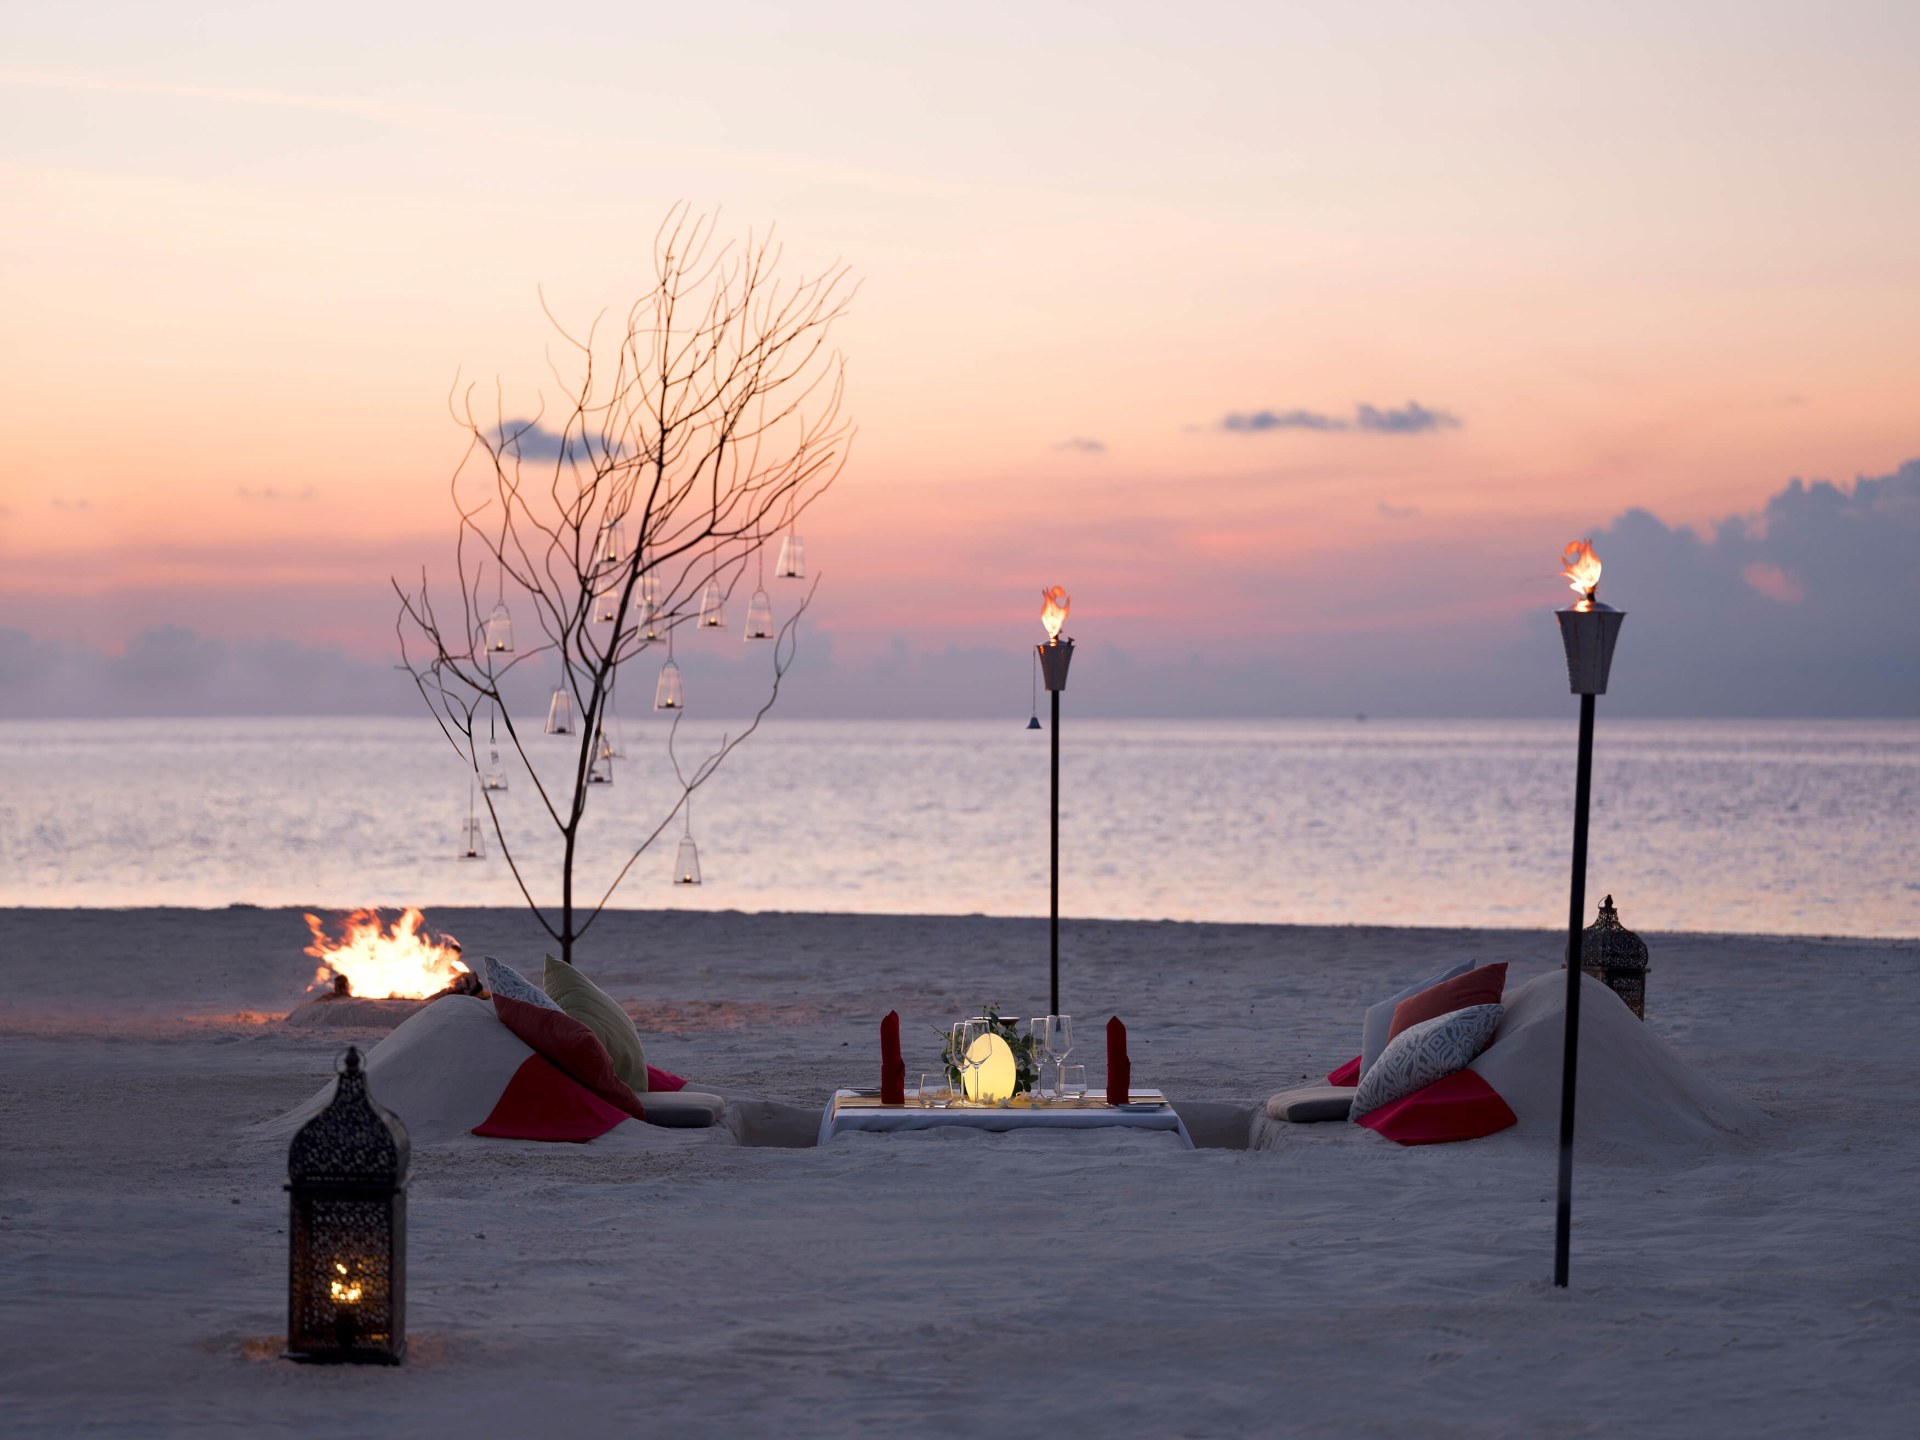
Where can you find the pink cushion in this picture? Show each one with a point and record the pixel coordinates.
(571, 1046)
(541, 1103)
(1461, 1107)
(1477, 987)
(1347, 1075)
(662, 1080)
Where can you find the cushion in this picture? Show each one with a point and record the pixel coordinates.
(569, 1045)
(1463, 1106)
(1347, 1075)
(1430, 1051)
(600, 1013)
(1305, 1104)
(503, 979)
(1477, 987)
(1379, 1018)
(540, 1103)
(685, 1110)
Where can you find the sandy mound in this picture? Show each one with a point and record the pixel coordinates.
(440, 1071)
(352, 1012)
(1637, 1098)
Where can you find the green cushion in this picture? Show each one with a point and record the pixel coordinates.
(600, 1013)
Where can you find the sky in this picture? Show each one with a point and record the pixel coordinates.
(1295, 342)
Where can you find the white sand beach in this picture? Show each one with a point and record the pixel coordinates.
(1751, 1278)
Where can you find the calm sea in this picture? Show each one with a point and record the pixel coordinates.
(1785, 827)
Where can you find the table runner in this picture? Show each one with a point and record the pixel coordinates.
(848, 1111)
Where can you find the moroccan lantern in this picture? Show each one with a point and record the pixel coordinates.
(347, 1176)
(1617, 957)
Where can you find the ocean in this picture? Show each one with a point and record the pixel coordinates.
(1786, 827)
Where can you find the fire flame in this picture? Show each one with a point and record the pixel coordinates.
(345, 1292)
(399, 964)
(1053, 614)
(1582, 569)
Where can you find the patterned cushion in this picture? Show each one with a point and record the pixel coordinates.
(503, 979)
(1379, 1018)
(1430, 1051)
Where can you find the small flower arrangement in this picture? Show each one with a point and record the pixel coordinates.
(1026, 1064)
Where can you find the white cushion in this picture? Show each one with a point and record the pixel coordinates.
(1379, 1018)
(1424, 1053)
(503, 979)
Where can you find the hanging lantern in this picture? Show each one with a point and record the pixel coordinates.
(610, 746)
(613, 543)
(473, 838)
(500, 630)
(600, 767)
(1617, 957)
(686, 865)
(713, 607)
(560, 712)
(494, 776)
(793, 558)
(606, 604)
(347, 1273)
(759, 617)
(666, 694)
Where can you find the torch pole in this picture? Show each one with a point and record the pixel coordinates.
(1570, 1048)
(1053, 922)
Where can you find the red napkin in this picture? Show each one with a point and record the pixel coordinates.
(893, 1070)
(1119, 1068)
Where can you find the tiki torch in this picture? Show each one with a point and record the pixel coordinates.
(1588, 630)
(1055, 656)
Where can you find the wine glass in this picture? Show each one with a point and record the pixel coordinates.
(965, 1033)
(1059, 1042)
(1037, 1028)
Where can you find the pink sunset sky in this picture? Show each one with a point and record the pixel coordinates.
(1293, 341)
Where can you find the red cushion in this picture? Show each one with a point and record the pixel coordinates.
(663, 1080)
(1477, 987)
(571, 1046)
(1347, 1074)
(1460, 1107)
(541, 1103)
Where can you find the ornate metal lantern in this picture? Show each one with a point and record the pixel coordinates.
(1613, 954)
(347, 1176)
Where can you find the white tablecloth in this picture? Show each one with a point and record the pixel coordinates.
(839, 1119)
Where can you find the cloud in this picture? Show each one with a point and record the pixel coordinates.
(267, 492)
(1396, 512)
(1083, 445)
(1413, 418)
(1259, 420)
(531, 441)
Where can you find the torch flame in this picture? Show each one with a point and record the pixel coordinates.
(1053, 614)
(400, 964)
(1582, 569)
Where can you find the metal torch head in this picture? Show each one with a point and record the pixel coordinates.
(1055, 656)
(1589, 636)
